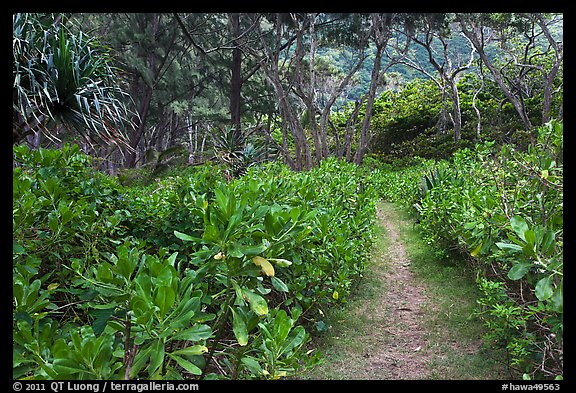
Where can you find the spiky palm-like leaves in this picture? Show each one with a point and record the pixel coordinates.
(228, 145)
(235, 150)
(62, 77)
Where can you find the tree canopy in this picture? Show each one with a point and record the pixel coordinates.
(153, 81)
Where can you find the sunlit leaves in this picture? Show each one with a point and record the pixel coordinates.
(193, 265)
(257, 303)
(266, 266)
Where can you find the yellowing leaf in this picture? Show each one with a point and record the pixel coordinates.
(266, 266)
(335, 295)
(476, 251)
(219, 256)
(53, 286)
(257, 303)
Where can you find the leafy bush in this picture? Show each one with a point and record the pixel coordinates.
(192, 277)
(504, 207)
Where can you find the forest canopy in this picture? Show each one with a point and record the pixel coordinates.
(303, 87)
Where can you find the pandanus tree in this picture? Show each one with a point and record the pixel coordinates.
(64, 80)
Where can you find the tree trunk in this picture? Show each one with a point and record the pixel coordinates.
(236, 80)
(550, 76)
(475, 37)
(476, 109)
(456, 112)
(363, 142)
(303, 158)
(137, 132)
(350, 130)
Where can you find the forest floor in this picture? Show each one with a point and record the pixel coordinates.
(412, 316)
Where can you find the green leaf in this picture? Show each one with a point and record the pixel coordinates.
(519, 226)
(548, 242)
(530, 237)
(140, 360)
(239, 328)
(172, 258)
(282, 325)
(558, 298)
(519, 270)
(509, 246)
(252, 250)
(544, 288)
(186, 365)
(126, 262)
(101, 319)
(187, 238)
(529, 249)
(164, 299)
(222, 203)
(252, 364)
(294, 214)
(156, 357)
(278, 284)
(297, 337)
(67, 366)
(257, 303)
(196, 333)
(239, 301)
(193, 350)
(211, 234)
(17, 248)
(280, 262)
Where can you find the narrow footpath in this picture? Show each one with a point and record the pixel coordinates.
(396, 326)
(405, 354)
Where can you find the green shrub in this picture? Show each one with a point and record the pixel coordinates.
(504, 207)
(170, 279)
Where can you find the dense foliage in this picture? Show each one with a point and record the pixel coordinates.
(196, 275)
(172, 244)
(193, 276)
(64, 77)
(504, 209)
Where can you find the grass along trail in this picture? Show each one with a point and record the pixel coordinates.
(410, 318)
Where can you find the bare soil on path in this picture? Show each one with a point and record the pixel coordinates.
(405, 356)
(383, 336)
(403, 325)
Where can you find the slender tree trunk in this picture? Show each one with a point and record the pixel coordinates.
(456, 112)
(146, 95)
(192, 142)
(363, 142)
(475, 37)
(350, 130)
(303, 158)
(476, 109)
(236, 81)
(137, 132)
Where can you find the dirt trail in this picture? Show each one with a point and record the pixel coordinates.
(382, 335)
(405, 356)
